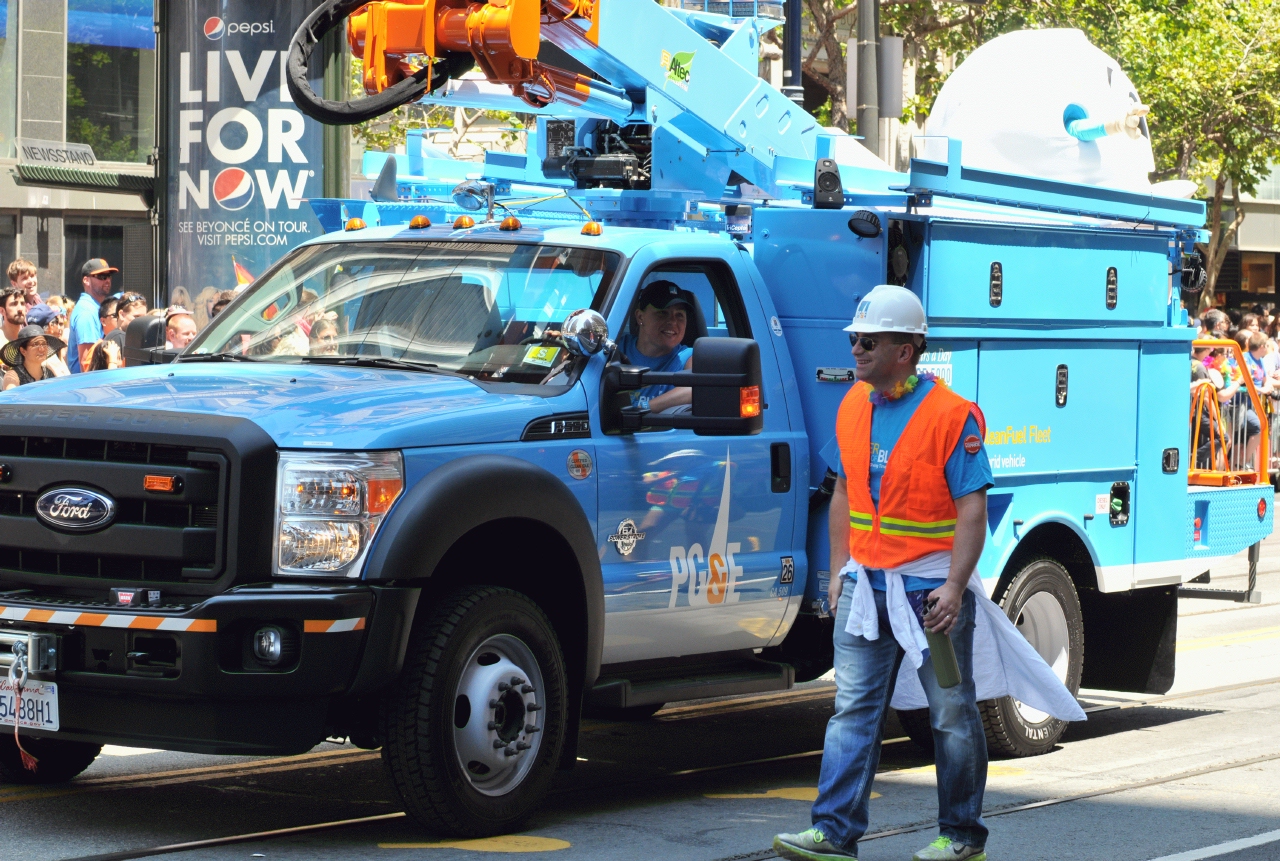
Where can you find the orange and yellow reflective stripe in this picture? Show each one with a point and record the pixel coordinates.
(917, 528)
(858, 520)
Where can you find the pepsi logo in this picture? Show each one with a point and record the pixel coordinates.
(213, 29)
(233, 188)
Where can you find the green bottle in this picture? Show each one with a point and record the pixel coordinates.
(942, 653)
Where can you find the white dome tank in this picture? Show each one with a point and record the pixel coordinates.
(1006, 102)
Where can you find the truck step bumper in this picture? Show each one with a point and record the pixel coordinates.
(717, 676)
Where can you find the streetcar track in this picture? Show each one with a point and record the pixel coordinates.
(187, 775)
(761, 855)
(326, 758)
(316, 760)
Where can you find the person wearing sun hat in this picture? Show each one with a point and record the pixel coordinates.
(86, 328)
(24, 357)
(54, 322)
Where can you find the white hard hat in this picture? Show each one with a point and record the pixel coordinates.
(889, 308)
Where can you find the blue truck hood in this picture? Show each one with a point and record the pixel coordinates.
(312, 406)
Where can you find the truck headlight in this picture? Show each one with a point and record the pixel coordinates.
(328, 508)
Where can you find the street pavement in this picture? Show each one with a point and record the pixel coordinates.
(1173, 780)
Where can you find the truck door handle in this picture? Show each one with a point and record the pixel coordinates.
(780, 467)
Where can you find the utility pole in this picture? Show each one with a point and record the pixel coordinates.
(868, 96)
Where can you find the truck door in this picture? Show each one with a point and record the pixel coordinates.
(696, 531)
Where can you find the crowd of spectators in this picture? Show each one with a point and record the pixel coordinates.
(1236, 442)
(45, 336)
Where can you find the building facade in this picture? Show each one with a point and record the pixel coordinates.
(77, 71)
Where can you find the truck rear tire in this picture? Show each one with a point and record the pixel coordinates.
(915, 723)
(475, 724)
(1042, 602)
(59, 759)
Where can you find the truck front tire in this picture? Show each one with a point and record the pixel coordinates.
(58, 760)
(1041, 601)
(475, 724)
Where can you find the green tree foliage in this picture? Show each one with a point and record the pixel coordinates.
(386, 133)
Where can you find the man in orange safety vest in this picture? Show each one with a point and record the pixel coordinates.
(907, 523)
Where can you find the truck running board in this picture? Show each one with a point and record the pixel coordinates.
(697, 677)
(1249, 596)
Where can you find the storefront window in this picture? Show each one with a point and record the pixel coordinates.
(8, 76)
(86, 239)
(8, 241)
(111, 62)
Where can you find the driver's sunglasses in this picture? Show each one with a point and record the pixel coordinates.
(106, 277)
(868, 343)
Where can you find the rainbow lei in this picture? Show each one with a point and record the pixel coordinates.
(903, 388)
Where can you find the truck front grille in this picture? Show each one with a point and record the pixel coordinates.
(154, 537)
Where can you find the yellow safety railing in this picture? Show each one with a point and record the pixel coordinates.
(1225, 461)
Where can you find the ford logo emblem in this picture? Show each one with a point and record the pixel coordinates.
(75, 508)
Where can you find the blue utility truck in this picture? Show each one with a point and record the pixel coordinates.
(401, 491)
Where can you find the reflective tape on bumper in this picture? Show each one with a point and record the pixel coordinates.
(332, 626)
(108, 620)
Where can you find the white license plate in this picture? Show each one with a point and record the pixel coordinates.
(38, 708)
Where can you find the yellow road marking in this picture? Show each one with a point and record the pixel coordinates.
(506, 843)
(1195, 644)
(791, 793)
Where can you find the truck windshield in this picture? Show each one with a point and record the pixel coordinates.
(491, 311)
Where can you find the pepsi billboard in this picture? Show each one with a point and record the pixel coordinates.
(242, 158)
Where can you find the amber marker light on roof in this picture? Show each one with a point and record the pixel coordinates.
(356, 224)
(592, 228)
(510, 223)
(419, 222)
(162, 483)
(462, 222)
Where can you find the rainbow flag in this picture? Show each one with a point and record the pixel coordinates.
(243, 276)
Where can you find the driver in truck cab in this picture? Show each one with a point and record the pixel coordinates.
(655, 341)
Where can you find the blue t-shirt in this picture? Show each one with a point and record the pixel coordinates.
(966, 473)
(85, 328)
(670, 363)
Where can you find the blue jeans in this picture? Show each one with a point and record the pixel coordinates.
(865, 674)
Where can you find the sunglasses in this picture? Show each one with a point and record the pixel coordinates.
(868, 343)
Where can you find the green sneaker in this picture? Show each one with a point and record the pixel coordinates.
(811, 845)
(946, 849)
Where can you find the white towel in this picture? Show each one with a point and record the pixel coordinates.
(1004, 663)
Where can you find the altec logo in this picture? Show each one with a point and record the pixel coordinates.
(213, 29)
(233, 188)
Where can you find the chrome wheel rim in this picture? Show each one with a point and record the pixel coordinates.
(498, 714)
(1044, 624)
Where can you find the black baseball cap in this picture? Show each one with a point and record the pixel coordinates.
(664, 294)
(97, 266)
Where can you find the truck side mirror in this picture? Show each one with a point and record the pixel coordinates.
(585, 332)
(729, 356)
(726, 383)
(144, 343)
